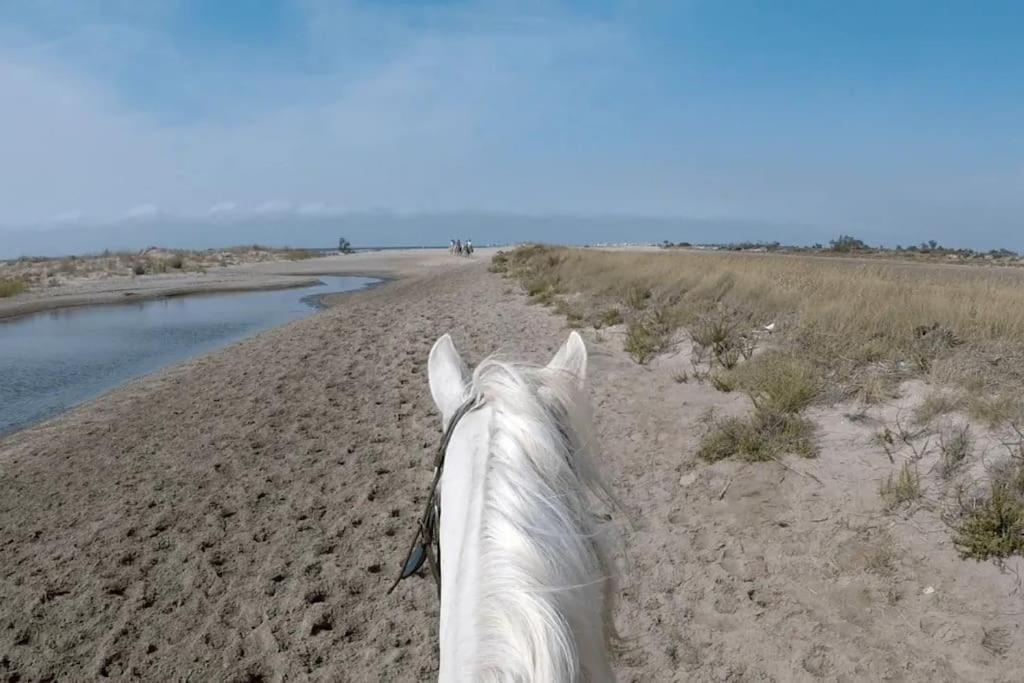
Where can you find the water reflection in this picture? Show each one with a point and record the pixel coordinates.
(53, 360)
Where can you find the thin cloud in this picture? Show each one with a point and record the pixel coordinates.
(221, 208)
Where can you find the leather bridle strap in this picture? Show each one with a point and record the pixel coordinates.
(427, 531)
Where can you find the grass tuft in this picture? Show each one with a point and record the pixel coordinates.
(11, 287)
(764, 435)
(902, 489)
(780, 383)
(649, 334)
(955, 444)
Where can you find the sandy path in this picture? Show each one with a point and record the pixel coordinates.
(240, 516)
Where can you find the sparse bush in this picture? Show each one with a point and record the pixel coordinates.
(780, 383)
(176, 261)
(298, 254)
(10, 287)
(764, 435)
(718, 334)
(573, 314)
(637, 297)
(499, 263)
(937, 403)
(139, 268)
(955, 445)
(902, 489)
(722, 381)
(994, 526)
(611, 317)
(649, 334)
(846, 244)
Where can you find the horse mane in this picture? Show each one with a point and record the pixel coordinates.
(544, 560)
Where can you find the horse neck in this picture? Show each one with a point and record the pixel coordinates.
(523, 591)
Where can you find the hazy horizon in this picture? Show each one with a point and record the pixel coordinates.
(391, 229)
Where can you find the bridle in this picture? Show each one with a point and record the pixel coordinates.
(425, 543)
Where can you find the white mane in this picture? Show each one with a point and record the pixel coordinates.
(546, 582)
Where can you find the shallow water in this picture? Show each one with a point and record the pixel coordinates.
(53, 360)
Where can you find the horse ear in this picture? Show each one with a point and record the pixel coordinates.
(571, 359)
(448, 377)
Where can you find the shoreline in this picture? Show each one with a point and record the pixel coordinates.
(112, 297)
(386, 266)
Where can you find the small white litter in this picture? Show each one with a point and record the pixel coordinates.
(929, 590)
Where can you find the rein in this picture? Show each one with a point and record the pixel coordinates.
(425, 544)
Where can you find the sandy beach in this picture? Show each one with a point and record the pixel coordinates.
(240, 516)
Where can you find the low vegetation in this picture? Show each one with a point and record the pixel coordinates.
(780, 388)
(992, 525)
(763, 435)
(10, 287)
(37, 272)
(901, 488)
(862, 326)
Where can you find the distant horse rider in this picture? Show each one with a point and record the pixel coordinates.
(458, 247)
(469, 247)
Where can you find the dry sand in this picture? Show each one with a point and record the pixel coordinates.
(240, 516)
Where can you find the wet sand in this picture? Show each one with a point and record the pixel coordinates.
(240, 516)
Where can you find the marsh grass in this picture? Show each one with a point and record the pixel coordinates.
(763, 435)
(955, 446)
(650, 333)
(866, 325)
(779, 382)
(902, 489)
(10, 287)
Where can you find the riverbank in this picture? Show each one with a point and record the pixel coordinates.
(240, 517)
(266, 275)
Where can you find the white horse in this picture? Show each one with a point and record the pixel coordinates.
(526, 581)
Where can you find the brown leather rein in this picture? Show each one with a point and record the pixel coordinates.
(425, 544)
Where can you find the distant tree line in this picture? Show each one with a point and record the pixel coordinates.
(848, 244)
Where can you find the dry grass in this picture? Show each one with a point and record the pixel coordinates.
(862, 325)
(955, 446)
(902, 489)
(763, 435)
(10, 287)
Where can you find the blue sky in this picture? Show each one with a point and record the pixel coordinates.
(896, 121)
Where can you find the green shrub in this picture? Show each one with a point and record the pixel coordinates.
(995, 528)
